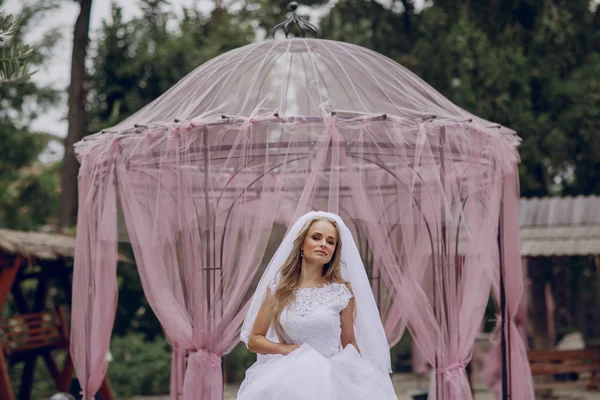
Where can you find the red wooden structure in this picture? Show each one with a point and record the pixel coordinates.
(39, 327)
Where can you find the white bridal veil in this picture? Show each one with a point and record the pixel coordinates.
(368, 329)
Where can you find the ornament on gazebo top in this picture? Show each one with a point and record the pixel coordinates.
(295, 19)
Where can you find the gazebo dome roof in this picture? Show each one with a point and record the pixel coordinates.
(299, 78)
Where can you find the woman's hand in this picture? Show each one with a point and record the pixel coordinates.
(286, 349)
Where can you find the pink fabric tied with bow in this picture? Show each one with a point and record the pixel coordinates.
(455, 377)
(447, 371)
(203, 377)
(520, 384)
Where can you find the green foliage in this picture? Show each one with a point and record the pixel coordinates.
(136, 61)
(577, 122)
(371, 25)
(529, 66)
(43, 386)
(401, 354)
(237, 362)
(133, 311)
(28, 188)
(139, 366)
(14, 66)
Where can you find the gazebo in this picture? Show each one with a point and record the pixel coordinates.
(256, 137)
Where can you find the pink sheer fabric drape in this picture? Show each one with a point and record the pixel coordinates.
(94, 276)
(519, 374)
(457, 299)
(199, 222)
(178, 364)
(195, 270)
(521, 383)
(519, 380)
(522, 317)
(425, 250)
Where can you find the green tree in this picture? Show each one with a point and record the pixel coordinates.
(386, 30)
(14, 67)
(529, 66)
(136, 61)
(581, 124)
(28, 187)
(139, 366)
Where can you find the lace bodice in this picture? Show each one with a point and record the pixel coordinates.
(314, 317)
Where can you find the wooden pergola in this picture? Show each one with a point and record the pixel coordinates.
(36, 327)
(554, 229)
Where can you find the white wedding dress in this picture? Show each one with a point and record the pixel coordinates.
(320, 369)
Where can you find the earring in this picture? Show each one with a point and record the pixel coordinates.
(301, 253)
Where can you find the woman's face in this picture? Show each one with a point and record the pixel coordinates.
(320, 242)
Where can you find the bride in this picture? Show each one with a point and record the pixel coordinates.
(314, 323)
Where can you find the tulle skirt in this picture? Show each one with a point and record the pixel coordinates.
(305, 374)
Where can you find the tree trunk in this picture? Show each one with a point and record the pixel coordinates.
(407, 15)
(76, 117)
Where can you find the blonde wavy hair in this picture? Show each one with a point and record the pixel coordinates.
(290, 276)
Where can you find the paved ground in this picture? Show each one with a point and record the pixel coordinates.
(406, 384)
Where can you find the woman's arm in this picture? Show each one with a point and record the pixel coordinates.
(347, 320)
(257, 342)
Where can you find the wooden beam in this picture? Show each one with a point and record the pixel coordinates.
(7, 260)
(66, 375)
(10, 282)
(64, 280)
(7, 279)
(6, 392)
(19, 299)
(52, 367)
(27, 377)
(40, 293)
